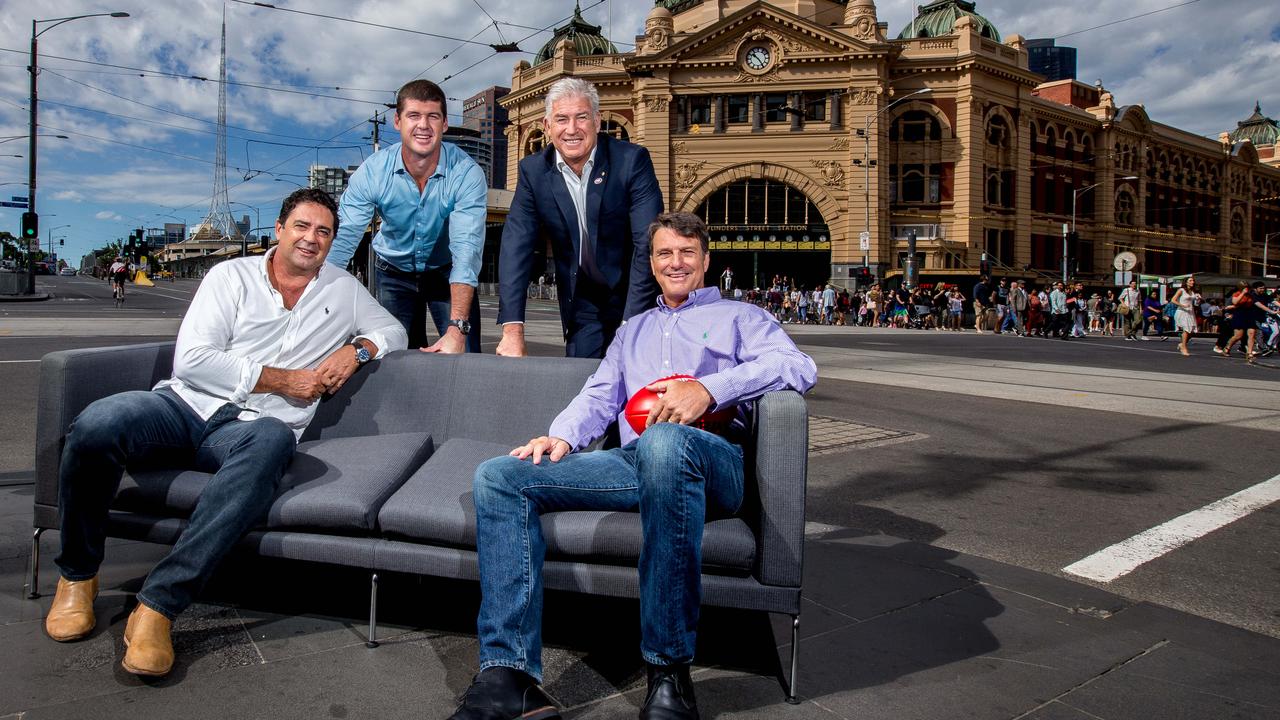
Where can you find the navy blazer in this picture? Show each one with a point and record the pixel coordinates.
(623, 197)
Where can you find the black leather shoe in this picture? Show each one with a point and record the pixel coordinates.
(670, 694)
(502, 693)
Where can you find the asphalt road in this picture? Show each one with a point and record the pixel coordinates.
(1032, 452)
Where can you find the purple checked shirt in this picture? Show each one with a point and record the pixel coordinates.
(735, 349)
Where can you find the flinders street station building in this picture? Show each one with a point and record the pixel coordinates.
(814, 144)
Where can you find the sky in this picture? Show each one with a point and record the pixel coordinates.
(140, 146)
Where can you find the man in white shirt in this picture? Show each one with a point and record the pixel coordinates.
(263, 339)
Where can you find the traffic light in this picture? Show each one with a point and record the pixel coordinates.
(62, 241)
(264, 242)
(30, 226)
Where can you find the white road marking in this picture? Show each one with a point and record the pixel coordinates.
(1124, 557)
(5, 362)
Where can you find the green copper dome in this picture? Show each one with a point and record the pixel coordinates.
(1257, 129)
(938, 18)
(586, 39)
(675, 6)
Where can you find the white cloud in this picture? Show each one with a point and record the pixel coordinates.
(1198, 67)
(108, 215)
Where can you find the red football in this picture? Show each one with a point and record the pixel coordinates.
(638, 407)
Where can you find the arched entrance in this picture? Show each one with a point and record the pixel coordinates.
(763, 228)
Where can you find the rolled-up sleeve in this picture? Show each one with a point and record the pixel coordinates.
(373, 323)
(200, 358)
(466, 226)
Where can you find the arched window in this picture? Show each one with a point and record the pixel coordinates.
(1124, 208)
(759, 202)
(998, 132)
(615, 130)
(535, 142)
(915, 126)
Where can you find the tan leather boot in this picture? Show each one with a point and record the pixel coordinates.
(71, 616)
(148, 642)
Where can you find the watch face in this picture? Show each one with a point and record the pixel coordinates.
(758, 58)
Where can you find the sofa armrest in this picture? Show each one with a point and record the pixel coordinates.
(781, 430)
(69, 381)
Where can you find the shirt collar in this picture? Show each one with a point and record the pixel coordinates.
(701, 296)
(442, 166)
(561, 165)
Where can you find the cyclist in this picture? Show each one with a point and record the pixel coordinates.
(118, 271)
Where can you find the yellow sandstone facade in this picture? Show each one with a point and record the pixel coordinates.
(796, 128)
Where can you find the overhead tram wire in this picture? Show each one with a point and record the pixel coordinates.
(495, 48)
(174, 112)
(184, 128)
(280, 87)
(1124, 20)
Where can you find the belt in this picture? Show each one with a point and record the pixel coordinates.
(385, 267)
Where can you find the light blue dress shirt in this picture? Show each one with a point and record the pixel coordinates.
(413, 222)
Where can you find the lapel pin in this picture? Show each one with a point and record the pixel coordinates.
(599, 180)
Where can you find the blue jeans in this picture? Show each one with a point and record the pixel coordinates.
(677, 476)
(151, 430)
(410, 296)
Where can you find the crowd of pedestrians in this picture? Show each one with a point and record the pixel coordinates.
(1246, 318)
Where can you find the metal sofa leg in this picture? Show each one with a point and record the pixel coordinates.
(372, 642)
(795, 656)
(33, 590)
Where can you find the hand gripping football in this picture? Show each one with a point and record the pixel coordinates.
(638, 407)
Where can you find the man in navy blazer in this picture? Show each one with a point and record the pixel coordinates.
(593, 198)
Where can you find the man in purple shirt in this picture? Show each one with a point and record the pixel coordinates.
(676, 475)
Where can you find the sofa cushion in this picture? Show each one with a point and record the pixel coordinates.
(435, 506)
(435, 502)
(338, 483)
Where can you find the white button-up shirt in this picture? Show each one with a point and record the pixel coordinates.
(237, 324)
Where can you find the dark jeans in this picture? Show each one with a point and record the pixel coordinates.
(592, 320)
(677, 476)
(409, 296)
(151, 430)
(1060, 325)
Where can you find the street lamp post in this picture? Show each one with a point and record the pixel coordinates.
(50, 236)
(33, 68)
(866, 164)
(1075, 194)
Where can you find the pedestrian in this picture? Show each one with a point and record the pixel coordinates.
(1059, 312)
(1249, 305)
(828, 304)
(1130, 310)
(1186, 298)
(1152, 314)
(1018, 303)
(955, 308)
(1108, 306)
(981, 303)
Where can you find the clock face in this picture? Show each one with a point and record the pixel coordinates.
(758, 58)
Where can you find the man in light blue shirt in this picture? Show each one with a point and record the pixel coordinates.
(432, 198)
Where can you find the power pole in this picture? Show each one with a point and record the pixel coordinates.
(371, 257)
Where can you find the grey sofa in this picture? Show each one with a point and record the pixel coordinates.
(382, 477)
